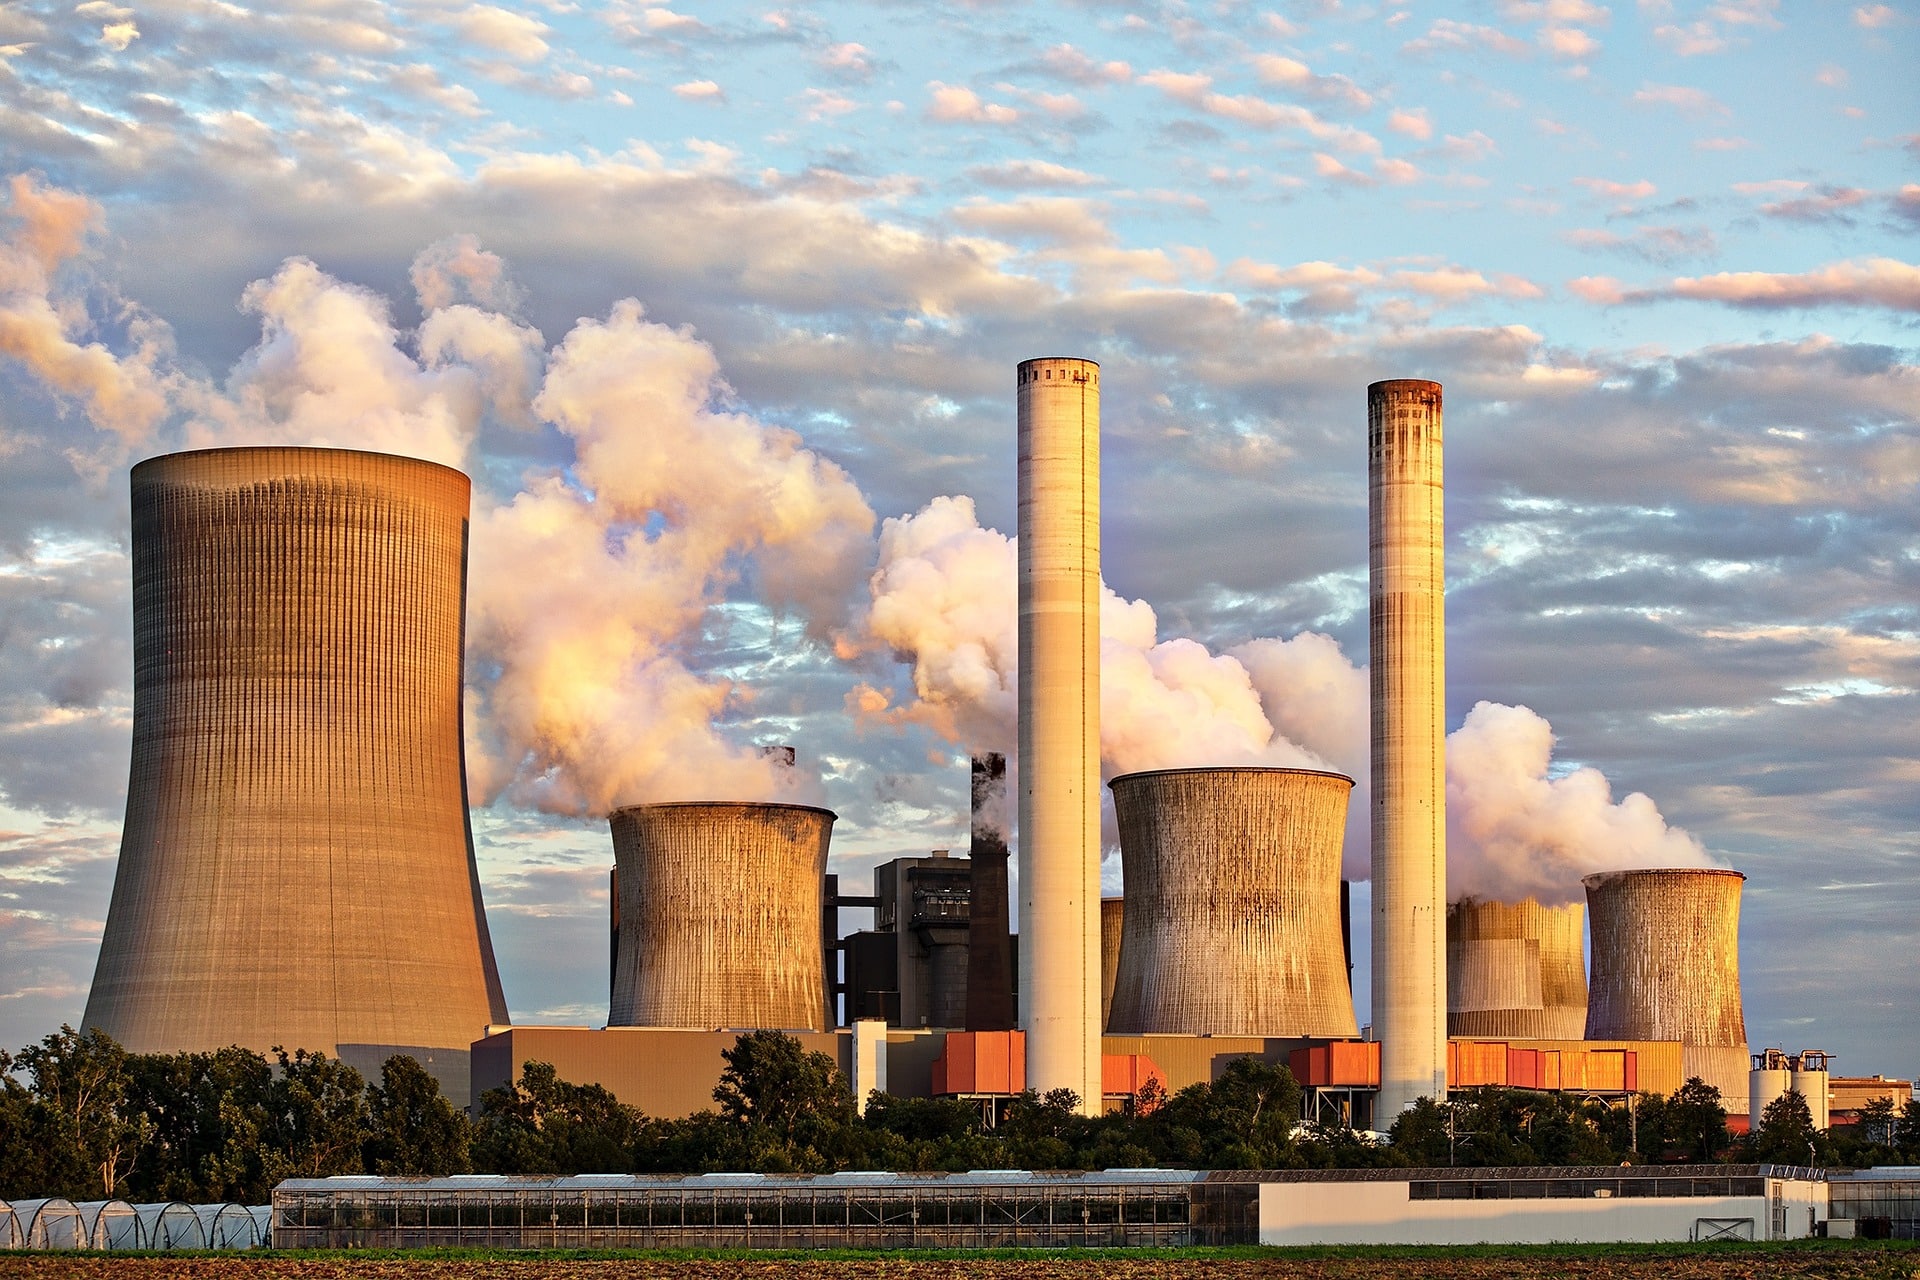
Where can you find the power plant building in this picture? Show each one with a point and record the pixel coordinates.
(296, 867)
(720, 910)
(1408, 686)
(1666, 966)
(1516, 970)
(1059, 714)
(1232, 910)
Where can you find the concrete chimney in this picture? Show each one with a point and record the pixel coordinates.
(989, 949)
(1407, 620)
(1059, 489)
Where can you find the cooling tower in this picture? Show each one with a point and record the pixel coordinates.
(1666, 966)
(720, 916)
(1113, 915)
(1232, 922)
(296, 867)
(1407, 644)
(989, 948)
(1516, 970)
(1059, 490)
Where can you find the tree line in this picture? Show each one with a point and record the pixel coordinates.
(81, 1117)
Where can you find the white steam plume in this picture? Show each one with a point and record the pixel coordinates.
(944, 599)
(1514, 830)
(43, 325)
(589, 588)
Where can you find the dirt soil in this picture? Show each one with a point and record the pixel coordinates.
(1734, 1263)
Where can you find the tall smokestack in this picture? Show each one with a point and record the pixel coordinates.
(989, 949)
(1059, 399)
(1407, 632)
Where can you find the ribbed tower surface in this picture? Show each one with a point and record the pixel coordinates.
(1666, 966)
(1408, 676)
(1232, 921)
(1113, 915)
(1516, 970)
(296, 867)
(1059, 501)
(720, 916)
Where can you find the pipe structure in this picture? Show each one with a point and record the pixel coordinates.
(1666, 966)
(1059, 710)
(989, 948)
(1408, 676)
(296, 867)
(1232, 920)
(1516, 970)
(720, 916)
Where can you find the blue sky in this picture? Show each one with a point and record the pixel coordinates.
(1661, 256)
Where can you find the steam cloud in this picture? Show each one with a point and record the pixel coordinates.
(1514, 830)
(590, 585)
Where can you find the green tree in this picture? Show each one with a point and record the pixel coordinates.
(542, 1124)
(91, 1136)
(210, 1116)
(794, 1107)
(1879, 1121)
(1906, 1134)
(412, 1127)
(316, 1117)
(1785, 1134)
(1697, 1121)
(1424, 1134)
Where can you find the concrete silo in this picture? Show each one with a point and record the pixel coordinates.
(1666, 966)
(720, 916)
(1516, 970)
(1059, 571)
(1232, 920)
(296, 867)
(1407, 635)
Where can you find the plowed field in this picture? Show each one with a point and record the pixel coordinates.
(1730, 1263)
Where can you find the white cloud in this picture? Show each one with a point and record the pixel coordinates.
(700, 91)
(1413, 123)
(956, 104)
(513, 35)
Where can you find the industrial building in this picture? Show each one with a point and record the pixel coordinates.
(298, 619)
(296, 867)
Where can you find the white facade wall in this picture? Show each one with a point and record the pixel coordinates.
(1301, 1213)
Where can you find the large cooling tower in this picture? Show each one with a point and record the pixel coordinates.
(1666, 966)
(1407, 635)
(720, 916)
(1232, 921)
(1516, 970)
(1059, 500)
(296, 867)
